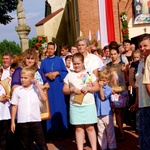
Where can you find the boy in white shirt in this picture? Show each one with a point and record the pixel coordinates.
(4, 116)
(26, 104)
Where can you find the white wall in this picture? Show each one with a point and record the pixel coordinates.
(135, 30)
(57, 4)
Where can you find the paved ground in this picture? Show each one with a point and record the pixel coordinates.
(130, 143)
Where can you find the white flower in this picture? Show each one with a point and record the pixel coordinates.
(124, 17)
(44, 45)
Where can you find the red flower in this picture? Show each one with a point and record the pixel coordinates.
(40, 38)
(125, 31)
(38, 44)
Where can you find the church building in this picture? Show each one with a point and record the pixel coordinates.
(102, 20)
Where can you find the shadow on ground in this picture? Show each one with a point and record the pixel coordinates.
(130, 143)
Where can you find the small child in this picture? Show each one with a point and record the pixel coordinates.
(68, 61)
(4, 115)
(26, 104)
(13, 67)
(136, 57)
(105, 125)
(64, 50)
(6, 83)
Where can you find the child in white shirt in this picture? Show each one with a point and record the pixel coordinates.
(4, 116)
(26, 104)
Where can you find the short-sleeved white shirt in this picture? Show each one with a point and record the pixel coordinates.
(28, 103)
(91, 63)
(4, 106)
(146, 77)
(144, 98)
(80, 80)
(6, 73)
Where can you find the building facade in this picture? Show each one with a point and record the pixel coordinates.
(96, 19)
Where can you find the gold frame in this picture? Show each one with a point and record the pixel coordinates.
(117, 80)
(45, 110)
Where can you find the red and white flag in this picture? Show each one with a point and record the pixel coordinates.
(106, 22)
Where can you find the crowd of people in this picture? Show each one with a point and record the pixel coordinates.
(88, 89)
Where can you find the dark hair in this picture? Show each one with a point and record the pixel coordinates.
(143, 37)
(68, 56)
(116, 49)
(106, 47)
(93, 50)
(78, 55)
(7, 54)
(113, 44)
(51, 43)
(64, 45)
(1, 70)
(74, 45)
(127, 41)
(99, 51)
(14, 65)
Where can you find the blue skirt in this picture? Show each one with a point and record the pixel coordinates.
(83, 114)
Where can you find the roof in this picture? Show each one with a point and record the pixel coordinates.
(50, 16)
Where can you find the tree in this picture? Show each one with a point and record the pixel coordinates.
(7, 6)
(10, 46)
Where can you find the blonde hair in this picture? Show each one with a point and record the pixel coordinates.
(104, 74)
(27, 54)
(28, 70)
(137, 52)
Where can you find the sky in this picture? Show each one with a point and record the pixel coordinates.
(34, 11)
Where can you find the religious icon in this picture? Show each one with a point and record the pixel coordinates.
(117, 80)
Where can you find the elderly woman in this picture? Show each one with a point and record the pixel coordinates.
(55, 71)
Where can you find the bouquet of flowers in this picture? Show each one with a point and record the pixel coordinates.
(39, 41)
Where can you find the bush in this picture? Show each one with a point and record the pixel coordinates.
(9, 46)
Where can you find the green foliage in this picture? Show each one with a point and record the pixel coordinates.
(125, 28)
(9, 46)
(7, 6)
